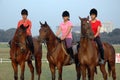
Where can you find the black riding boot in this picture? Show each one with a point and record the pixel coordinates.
(70, 52)
(102, 56)
(31, 46)
(101, 50)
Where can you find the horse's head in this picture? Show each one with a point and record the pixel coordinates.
(86, 28)
(21, 31)
(44, 31)
(21, 36)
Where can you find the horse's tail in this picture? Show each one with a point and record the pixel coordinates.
(96, 70)
(38, 56)
(109, 68)
(111, 60)
(38, 65)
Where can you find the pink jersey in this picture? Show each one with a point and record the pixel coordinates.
(64, 28)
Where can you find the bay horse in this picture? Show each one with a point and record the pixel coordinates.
(56, 55)
(20, 53)
(88, 54)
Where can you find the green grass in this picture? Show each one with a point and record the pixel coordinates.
(4, 45)
(69, 73)
(117, 48)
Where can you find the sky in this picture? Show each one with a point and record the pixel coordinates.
(51, 11)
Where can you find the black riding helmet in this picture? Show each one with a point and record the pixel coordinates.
(24, 12)
(65, 14)
(93, 11)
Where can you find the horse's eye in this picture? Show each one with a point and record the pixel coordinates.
(45, 31)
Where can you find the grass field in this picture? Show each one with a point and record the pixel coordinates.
(69, 73)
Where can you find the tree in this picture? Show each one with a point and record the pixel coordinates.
(7, 35)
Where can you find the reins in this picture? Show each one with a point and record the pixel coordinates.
(18, 43)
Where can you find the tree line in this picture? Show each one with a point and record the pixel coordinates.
(112, 37)
(7, 35)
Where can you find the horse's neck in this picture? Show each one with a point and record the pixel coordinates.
(15, 39)
(13, 42)
(85, 42)
(52, 42)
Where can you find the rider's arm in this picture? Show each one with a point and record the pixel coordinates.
(98, 32)
(58, 31)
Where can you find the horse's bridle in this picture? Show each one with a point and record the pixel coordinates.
(86, 35)
(19, 44)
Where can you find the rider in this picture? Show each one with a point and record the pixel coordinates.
(96, 26)
(26, 22)
(65, 28)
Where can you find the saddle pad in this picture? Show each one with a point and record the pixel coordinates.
(74, 47)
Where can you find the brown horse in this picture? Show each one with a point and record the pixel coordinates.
(56, 54)
(20, 53)
(88, 54)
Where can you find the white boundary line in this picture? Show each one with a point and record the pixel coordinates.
(4, 60)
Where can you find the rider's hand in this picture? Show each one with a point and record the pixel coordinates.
(63, 37)
(95, 36)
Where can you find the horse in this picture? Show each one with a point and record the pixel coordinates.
(56, 55)
(89, 56)
(20, 53)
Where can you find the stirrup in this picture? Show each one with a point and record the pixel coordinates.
(32, 57)
(72, 61)
(102, 61)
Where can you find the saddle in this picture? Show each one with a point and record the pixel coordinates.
(63, 44)
(74, 46)
(95, 44)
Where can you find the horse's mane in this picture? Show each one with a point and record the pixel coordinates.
(15, 35)
(58, 39)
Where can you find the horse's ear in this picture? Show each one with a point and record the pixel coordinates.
(22, 26)
(80, 18)
(27, 27)
(88, 17)
(46, 23)
(40, 23)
